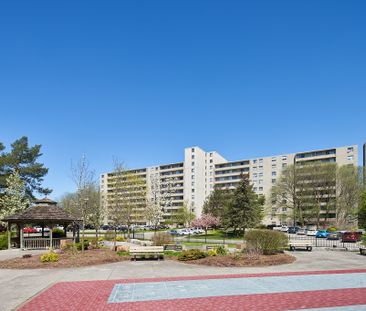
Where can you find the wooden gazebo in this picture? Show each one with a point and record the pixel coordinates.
(44, 213)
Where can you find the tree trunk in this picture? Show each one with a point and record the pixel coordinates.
(82, 236)
(96, 236)
(115, 239)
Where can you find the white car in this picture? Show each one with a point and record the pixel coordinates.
(301, 231)
(311, 232)
(284, 229)
(184, 232)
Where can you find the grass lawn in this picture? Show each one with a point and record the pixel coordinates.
(218, 235)
(203, 243)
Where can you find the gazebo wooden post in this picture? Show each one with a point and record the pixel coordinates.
(51, 237)
(21, 236)
(9, 235)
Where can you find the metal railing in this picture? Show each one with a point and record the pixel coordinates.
(324, 242)
(40, 243)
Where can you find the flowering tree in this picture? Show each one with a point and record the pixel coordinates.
(206, 221)
(15, 198)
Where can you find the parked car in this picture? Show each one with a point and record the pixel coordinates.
(29, 230)
(322, 234)
(311, 232)
(301, 231)
(293, 230)
(333, 235)
(284, 229)
(173, 232)
(184, 232)
(351, 236)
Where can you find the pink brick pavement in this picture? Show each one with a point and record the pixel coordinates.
(93, 295)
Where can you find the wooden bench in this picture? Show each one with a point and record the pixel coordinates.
(173, 247)
(155, 251)
(363, 251)
(308, 245)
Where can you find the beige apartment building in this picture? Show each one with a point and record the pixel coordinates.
(190, 182)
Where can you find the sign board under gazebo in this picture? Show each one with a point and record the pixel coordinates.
(44, 212)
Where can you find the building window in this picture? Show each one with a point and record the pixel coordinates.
(273, 181)
(192, 170)
(210, 154)
(192, 176)
(254, 161)
(192, 163)
(255, 175)
(349, 149)
(192, 196)
(254, 168)
(350, 158)
(255, 189)
(260, 188)
(284, 165)
(260, 160)
(192, 156)
(260, 174)
(284, 158)
(260, 181)
(192, 149)
(273, 166)
(274, 174)
(261, 167)
(192, 183)
(192, 189)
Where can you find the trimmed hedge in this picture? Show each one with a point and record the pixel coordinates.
(266, 242)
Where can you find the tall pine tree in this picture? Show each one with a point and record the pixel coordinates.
(245, 210)
(23, 159)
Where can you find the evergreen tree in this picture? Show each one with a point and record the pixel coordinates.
(23, 159)
(245, 210)
(14, 199)
(217, 202)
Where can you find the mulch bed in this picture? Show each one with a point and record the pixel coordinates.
(66, 260)
(244, 260)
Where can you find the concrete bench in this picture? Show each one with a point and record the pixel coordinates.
(363, 251)
(308, 245)
(155, 251)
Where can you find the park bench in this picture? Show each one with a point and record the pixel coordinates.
(155, 251)
(293, 245)
(173, 247)
(363, 251)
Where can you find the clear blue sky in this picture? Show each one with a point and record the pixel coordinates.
(141, 80)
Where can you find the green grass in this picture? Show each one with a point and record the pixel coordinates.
(203, 244)
(218, 235)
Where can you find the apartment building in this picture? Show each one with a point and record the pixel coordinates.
(190, 182)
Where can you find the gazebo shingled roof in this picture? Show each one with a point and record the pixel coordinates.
(45, 210)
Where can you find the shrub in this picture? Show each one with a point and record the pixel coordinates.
(212, 252)
(101, 239)
(49, 257)
(191, 254)
(221, 250)
(123, 253)
(364, 239)
(120, 238)
(172, 253)
(3, 241)
(70, 248)
(79, 245)
(58, 233)
(162, 238)
(266, 242)
(332, 229)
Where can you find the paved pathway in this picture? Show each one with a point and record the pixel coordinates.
(16, 286)
(265, 292)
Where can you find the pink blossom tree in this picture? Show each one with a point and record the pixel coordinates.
(206, 221)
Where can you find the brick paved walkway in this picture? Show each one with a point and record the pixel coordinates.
(270, 291)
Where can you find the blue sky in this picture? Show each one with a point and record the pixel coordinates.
(141, 80)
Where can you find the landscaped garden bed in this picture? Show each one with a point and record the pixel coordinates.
(244, 260)
(65, 260)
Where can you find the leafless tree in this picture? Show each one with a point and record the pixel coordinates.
(83, 178)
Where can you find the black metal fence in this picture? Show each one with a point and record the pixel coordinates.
(324, 242)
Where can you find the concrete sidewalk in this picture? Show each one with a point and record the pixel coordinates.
(17, 286)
